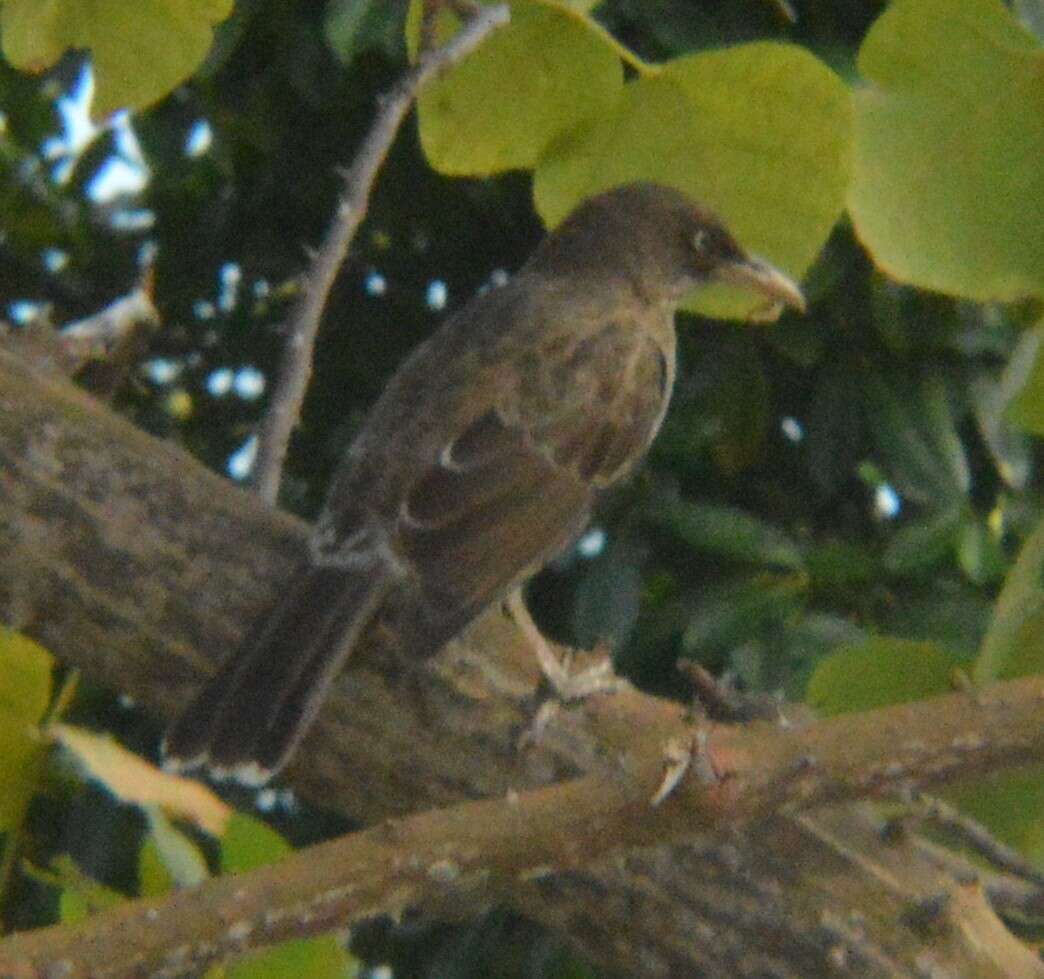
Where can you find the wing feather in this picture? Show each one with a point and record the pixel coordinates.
(517, 484)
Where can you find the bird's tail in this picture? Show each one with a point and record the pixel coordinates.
(247, 720)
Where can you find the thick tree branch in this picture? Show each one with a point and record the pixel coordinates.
(496, 848)
(295, 369)
(129, 560)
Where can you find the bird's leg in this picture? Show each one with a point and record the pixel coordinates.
(599, 678)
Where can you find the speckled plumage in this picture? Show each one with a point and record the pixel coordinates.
(479, 462)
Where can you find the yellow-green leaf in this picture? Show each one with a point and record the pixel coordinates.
(316, 958)
(948, 183)
(181, 858)
(248, 843)
(1014, 642)
(1010, 805)
(542, 75)
(25, 691)
(154, 878)
(760, 132)
(72, 907)
(81, 895)
(134, 780)
(880, 671)
(140, 50)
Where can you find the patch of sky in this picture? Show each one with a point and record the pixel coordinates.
(592, 543)
(124, 173)
(437, 295)
(242, 460)
(54, 259)
(887, 502)
(792, 429)
(375, 284)
(162, 370)
(199, 139)
(23, 311)
(132, 219)
(229, 277)
(249, 383)
(219, 382)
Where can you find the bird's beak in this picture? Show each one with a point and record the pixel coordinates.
(753, 273)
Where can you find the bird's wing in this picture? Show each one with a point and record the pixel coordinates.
(515, 486)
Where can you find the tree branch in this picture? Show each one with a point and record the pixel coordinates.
(480, 851)
(295, 369)
(128, 559)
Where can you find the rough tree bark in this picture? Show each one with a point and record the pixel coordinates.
(126, 558)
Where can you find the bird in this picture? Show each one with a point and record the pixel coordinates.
(481, 460)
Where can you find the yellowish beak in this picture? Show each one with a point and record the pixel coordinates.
(753, 273)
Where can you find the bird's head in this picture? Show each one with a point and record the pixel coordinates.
(663, 243)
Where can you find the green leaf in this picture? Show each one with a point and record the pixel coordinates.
(72, 907)
(738, 405)
(760, 132)
(543, 75)
(608, 599)
(728, 532)
(1031, 15)
(1026, 408)
(1009, 805)
(316, 958)
(732, 614)
(980, 553)
(838, 565)
(725, 411)
(154, 878)
(991, 395)
(923, 544)
(25, 692)
(834, 428)
(948, 184)
(941, 609)
(351, 26)
(915, 431)
(140, 51)
(880, 671)
(81, 894)
(1014, 642)
(181, 858)
(249, 843)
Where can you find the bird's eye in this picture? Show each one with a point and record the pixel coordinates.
(699, 240)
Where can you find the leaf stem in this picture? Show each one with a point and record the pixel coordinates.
(644, 68)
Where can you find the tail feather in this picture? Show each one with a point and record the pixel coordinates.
(250, 716)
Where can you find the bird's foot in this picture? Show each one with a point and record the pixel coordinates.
(567, 684)
(570, 685)
(567, 687)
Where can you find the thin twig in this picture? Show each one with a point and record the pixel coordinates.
(973, 834)
(723, 702)
(296, 367)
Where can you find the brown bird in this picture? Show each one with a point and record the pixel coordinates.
(480, 461)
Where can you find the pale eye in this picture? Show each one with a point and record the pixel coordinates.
(699, 240)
